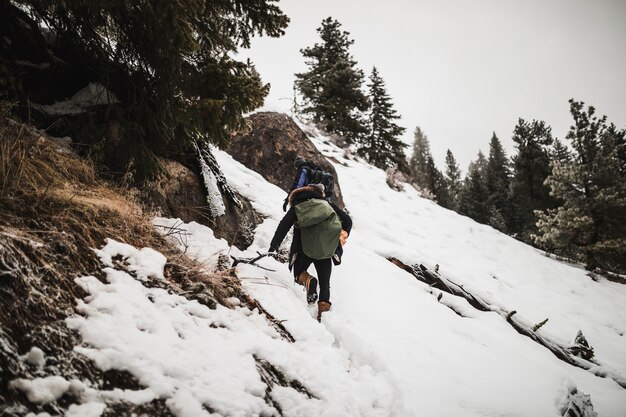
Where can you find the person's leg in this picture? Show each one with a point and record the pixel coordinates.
(300, 265)
(302, 277)
(324, 268)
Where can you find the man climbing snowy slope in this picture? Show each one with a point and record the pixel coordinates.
(321, 229)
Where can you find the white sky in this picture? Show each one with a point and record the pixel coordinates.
(463, 69)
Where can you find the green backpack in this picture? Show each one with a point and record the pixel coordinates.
(320, 228)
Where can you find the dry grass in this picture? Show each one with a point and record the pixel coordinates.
(48, 191)
(30, 162)
(53, 211)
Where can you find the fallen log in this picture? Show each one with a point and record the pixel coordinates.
(564, 353)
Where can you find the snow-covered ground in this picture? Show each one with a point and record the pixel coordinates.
(441, 363)
(387, 348)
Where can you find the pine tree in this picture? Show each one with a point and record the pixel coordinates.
(171, 64)
(382, 145)
(620, 147)
(531, 167)
(589, 225)
(480, 165)
(498, 176)
(418, 163)
(474, 194)
(453, 179)
(560, 152)
(437, 185)
(331, 88)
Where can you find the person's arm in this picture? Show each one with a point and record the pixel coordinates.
(346, 221)
(283, 228)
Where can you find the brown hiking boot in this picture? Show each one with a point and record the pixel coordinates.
(322, 307)
(310, 283)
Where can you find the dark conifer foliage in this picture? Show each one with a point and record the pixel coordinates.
(531, 167)
(438, 185)
(418, 163)
(590, 223)
(497, 177)
(473, 200)
(332, 86)
(453, 179)
(170, 63)
(560, 152)
(381, 146)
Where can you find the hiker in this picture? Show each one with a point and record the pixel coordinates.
(307, 173)
(321, 229)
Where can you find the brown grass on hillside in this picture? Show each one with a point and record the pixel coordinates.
(53, 211)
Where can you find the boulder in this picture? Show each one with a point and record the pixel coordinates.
(270, 147)
(179, 193)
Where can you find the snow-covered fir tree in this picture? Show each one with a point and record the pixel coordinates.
(590, 223)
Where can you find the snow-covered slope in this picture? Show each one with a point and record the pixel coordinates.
(438, 362)
(388, 347)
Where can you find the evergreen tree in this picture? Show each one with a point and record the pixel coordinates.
(497, 171)
(437, 185)
(590, 223)
(418, 163)
(453, 179)
(560, 152)
(170, 63)
(531, 167)
(331, 88)
(620, 147)
(474, 194)
(480, 165)
(382, 145)
(497, 176)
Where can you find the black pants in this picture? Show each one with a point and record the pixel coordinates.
(323, 267)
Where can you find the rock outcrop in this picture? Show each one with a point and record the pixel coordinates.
(180, 193)
(270, 147)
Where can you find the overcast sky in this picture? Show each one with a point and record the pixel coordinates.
(462, 69)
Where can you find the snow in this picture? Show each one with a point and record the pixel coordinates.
(194, 356)
(445, 364)
(203, 246)
(388, 347)
(42, 390)
(214, 197)
(36, 357)
(91, 409)
(145, 262)
(93, 94)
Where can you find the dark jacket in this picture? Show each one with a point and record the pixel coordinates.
(296, 197)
